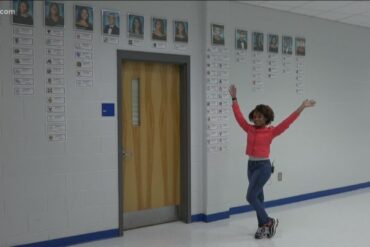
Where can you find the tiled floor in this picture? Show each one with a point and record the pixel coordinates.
(340, 221)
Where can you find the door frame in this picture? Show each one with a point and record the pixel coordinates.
(183, 61)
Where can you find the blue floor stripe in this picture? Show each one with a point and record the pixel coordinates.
(278, 202)
(198, 217)
(75, 239)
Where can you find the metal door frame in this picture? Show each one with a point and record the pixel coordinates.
(184, 63)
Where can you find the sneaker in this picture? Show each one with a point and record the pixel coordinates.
(262, 232)
(272, 227)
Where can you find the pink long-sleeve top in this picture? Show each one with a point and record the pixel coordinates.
(259, 139)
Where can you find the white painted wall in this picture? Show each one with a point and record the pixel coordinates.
(54, 190)
(327, 147)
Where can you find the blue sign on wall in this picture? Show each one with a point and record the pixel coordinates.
(107, 109)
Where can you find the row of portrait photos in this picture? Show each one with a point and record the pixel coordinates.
(241, 41)
(84, 20)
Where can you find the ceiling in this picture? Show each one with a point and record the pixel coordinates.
(350, 12)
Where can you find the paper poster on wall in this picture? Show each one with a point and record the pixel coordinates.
(241, 39)
(56, 117)
(181, 47)
(22, 50)
(23, 71)
(159, 29)
(272, 66)
(54, 41)
(23, 60)
(135, 26)
(273, 43)
(55, 90)
(56, 128)
(300, 46)
(83, 18)
(55, 81)
(55, 71)
(19, 40)
(57, 137)
(257, 41)
(56, 109)
(54, 51)
(55, 100)
(22, 31)
(54, 14)
(84, 55)
(217, 97)
(110, 22)
(217, 34)
(111, 40)
(84, 45)
(287, 45)
(83, 36)
(181, 34)
(24, 12)
(159, 45)
(54, 32)
(84, 83)
(54, 61)
(23, 90)
(23, 81)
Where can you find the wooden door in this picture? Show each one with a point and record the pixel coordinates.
(151, 136)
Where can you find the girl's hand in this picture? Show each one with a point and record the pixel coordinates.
(232, 91)
(308, 103)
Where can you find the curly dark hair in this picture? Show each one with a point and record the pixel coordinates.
(265, 110)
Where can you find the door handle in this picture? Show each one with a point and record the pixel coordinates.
(126, 154)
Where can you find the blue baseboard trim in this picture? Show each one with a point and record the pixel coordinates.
(278, 202)
(79, 239)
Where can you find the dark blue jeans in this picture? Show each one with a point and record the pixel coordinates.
(259, 173)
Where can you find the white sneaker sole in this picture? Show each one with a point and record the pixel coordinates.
(274, 226)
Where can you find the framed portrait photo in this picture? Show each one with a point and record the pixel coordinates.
(287, 45)
(159, 29)
(273, 43)
(241, 39)
(135, 26)
(84, 18)
(54, 14)
(110, 22)
(180, 31)
(300, 46)
(257, 40)
(23, 12)
(217, 34)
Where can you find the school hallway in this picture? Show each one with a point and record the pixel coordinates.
(341, 220)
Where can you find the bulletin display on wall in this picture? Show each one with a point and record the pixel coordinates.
(272, 58)
(217, 35)
(241, 45)
(300, 51)
(257, 61)
(287, 52)
(159, 32)
(54, 66)
(83, 52)
(110, 26)
(23, 60)
(181, 34)
(84, 59)
(217, 98)
(135, 29)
